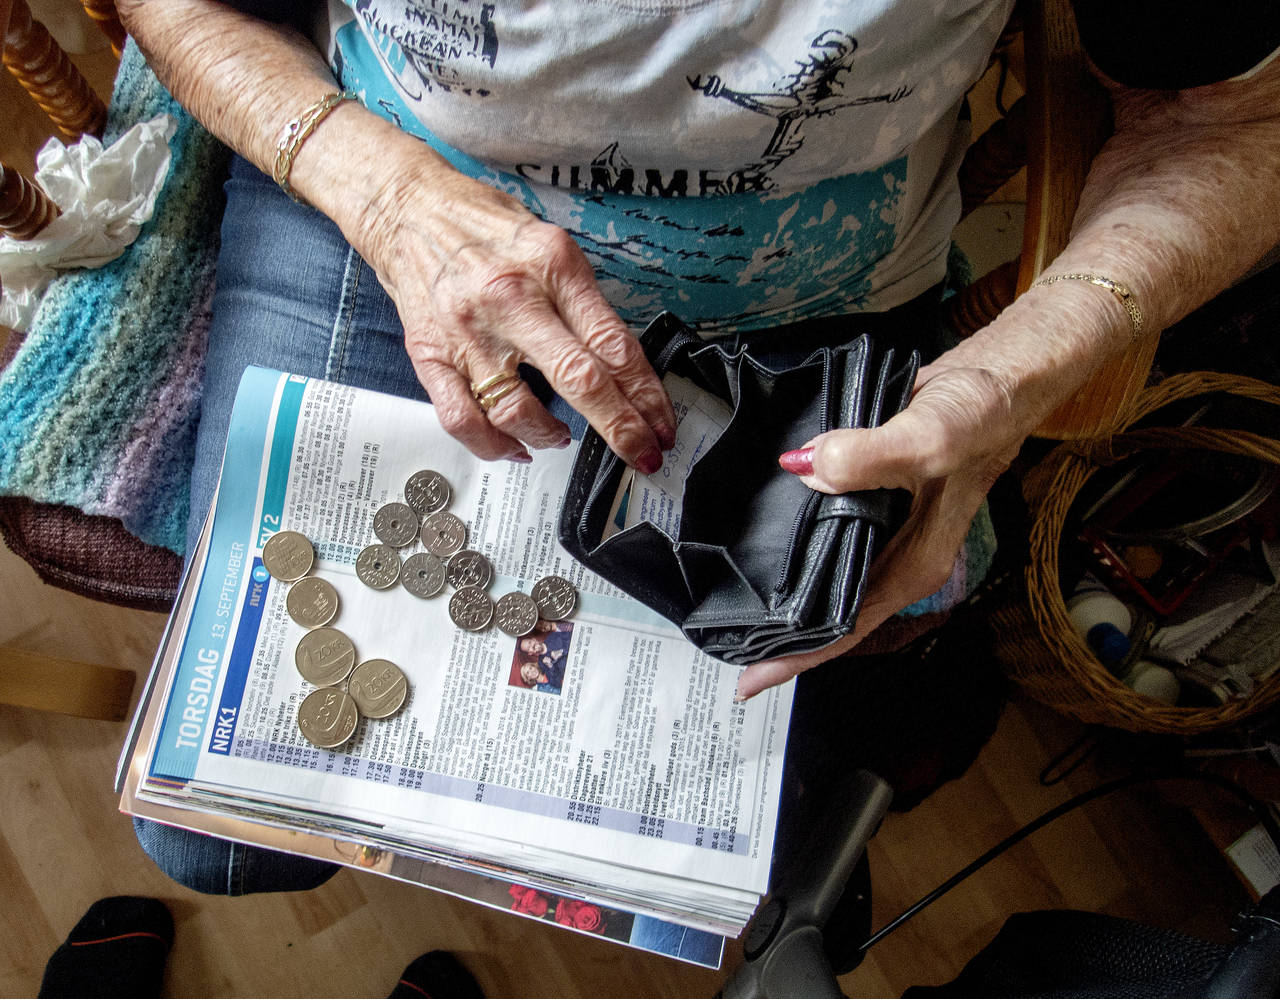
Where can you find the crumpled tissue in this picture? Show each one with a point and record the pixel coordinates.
(106, 194)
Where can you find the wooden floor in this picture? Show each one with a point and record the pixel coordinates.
(63, 844)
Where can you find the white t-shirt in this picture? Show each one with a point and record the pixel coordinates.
(740, 162)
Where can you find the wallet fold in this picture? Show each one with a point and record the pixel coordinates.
(760, 565)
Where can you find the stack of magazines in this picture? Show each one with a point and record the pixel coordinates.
(595, 774)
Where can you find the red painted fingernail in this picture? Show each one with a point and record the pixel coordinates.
(520, 457)
(798, 462)
(666, 436)
(564, 443)
(650, 461)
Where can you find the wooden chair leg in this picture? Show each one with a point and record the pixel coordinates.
(49, 76)
(24, 208)
(976, 305)
(105, 15)
(32, 680)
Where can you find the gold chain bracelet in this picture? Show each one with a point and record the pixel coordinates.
(1115, 287)
(297, 132)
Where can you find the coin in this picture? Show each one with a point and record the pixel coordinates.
(395, 524)
(288, 555)
(443, 534)
(325, 656)
(469, 568)
(312, 602)
(427, 491)
(327, 717)
(378, 687)
(423, 574)
(555, 597)
(516, 614)
(471, 609)
(378, 566)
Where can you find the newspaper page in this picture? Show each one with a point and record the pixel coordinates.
(624, 770)
(495, 889)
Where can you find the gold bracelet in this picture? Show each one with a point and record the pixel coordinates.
(1115, 287)
(296, 133)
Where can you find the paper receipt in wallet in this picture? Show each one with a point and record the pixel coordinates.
(659, 498)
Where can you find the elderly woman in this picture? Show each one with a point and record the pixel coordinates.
(487, 185)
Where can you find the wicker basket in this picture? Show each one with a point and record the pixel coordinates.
(1036, 641)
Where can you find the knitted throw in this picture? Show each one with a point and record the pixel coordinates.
(98, 408)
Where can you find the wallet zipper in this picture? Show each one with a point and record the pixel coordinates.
(784, 577)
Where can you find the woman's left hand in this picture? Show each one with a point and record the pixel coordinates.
(947, 448)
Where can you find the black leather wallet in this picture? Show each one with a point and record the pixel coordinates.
(756, 565)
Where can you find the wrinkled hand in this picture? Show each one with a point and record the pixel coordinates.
(947, 448)
(482, 285)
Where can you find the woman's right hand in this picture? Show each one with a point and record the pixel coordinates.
(479, 282)
(482, 285)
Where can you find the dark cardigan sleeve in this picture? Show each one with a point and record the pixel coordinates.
(299, 13)
(1176, 44)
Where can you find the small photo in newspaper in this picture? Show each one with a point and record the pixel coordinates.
(541, 658)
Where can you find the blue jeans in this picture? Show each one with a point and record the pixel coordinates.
(291, 295)
(294, 296)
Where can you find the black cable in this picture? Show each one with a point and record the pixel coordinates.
(1000, 84)
(1071, 804)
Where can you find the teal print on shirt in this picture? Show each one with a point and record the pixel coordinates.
(725, 262)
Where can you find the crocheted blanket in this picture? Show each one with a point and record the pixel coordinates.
(99, 405)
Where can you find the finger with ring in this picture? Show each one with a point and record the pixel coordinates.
(487, 400)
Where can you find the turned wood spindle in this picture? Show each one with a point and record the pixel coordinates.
(48, 75)
(977, 304)
(105, 15)
(24, 208)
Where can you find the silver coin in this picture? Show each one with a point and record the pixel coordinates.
(395, 524)
(378, 687)
(325, 656)
(471, 609)
(327, 717)
(378, 566)
(443, 534)
(288, 555)
(423, 574)
(516, 614)
(427, 491)
(312, 602)
(555, 596)
(469, 568)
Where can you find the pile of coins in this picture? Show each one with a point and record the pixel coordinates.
(446, 559)
(325, 656)
(377, 688)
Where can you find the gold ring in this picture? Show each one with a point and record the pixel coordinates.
(511, 383)
(479, 388)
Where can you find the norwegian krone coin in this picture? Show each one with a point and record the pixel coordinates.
(555, 597)
(325, 656)
(288, 555)
(312, 602)
(443, 534)
(379, 687)
(469, 568)
(516, 614)
(471, 609)
(427, 491)
(327, 717)
(378, 566)
(395, 524)
(423, 574)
